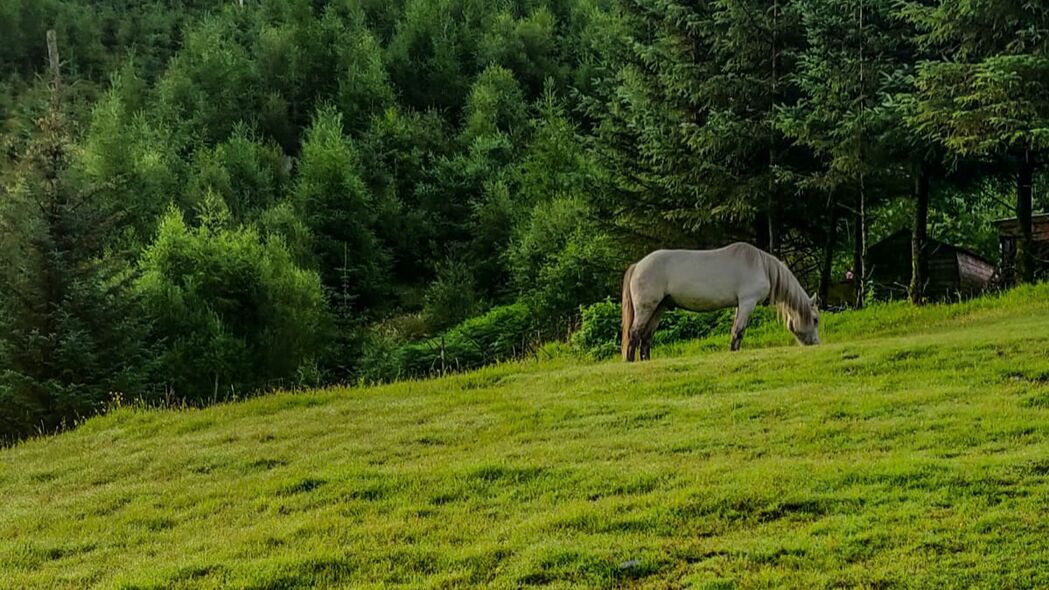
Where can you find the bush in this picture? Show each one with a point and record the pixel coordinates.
(561, 258)
(499, 335)
(678, 325)
(451, 298)
(379, 358)
(232, 310)
(598, 334)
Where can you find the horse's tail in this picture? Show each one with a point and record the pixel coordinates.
(628, 312)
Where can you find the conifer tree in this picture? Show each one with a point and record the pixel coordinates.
(687, 116)
(756, 43)
(339, 210)
(989, 97)
(850, 65)
(648, 92)
(71, 337)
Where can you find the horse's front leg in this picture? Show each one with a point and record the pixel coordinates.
(743, 311)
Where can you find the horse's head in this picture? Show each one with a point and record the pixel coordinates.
(806, 326)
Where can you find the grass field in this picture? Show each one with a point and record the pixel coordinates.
(910, 450)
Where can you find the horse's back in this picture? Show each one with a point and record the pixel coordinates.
(739, 258)
(702, 279)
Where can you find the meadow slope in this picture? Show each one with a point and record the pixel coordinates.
(910, 450)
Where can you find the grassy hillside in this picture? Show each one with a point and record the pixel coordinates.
(911, 449)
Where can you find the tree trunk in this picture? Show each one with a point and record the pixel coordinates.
(1024, 197)
(53, 61)
(761, 231)
(774, 99)
(920, 235)
(827, 270)
(859, 250)
(860, 241)
(773, 238)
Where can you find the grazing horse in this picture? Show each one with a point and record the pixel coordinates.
(737, 275)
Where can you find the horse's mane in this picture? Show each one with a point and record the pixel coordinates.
(785, 292)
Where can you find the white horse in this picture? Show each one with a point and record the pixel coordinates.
(737, 275)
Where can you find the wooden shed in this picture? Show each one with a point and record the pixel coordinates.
(953, 271)
(1009, 233)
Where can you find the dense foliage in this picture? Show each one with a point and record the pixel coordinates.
(230, 309)
(500, 334)
(207, 200)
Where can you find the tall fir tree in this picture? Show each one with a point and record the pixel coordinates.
(989, 96)
(71, 336)
(849, 67)
(756, 43)
(686, 117)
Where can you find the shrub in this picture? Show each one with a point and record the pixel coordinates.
(678, 325)
(501, 334)
(561, 258)
(498, 335)
(598, 334)
(232, 309)
(379, 358)
(451, 298)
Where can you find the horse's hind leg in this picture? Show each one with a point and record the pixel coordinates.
(743, 311)
(650, 330)
(631, 347)
(644, 312)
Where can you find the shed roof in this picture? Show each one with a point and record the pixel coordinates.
(1035, 217)
(937, 244)
(1010, 227)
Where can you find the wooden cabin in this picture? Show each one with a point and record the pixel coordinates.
(953, 271)
(1009, 233)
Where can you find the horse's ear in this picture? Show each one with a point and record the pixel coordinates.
(815, 299)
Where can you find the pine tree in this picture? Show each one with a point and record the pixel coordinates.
(686, 118)
(130, 156)
(334, 202)
(850, 65)
(756, 44)
(989, 96)
(432, 56)
(398, 153)
(648, 91)
(909, 147)
(71, 336)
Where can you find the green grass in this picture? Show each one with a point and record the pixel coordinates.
(910, 450)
